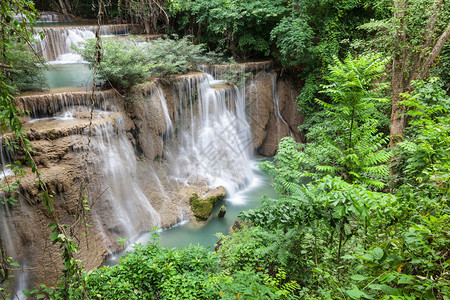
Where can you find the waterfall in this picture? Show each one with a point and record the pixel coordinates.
(197, 137)
(45, 17)
(5, 161)
(15, 247)
(51, 17)
(116, 184)
(49, 105)
(169, 125)
(58, 41)
(214, 140)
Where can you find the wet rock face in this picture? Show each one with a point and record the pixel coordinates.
(264, 93)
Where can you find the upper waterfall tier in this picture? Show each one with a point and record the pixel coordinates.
(53, 17)
(47, 105)
(47, 17)
(58, 41)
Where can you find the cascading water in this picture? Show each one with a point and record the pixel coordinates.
(5, 161)
(50, 17)
(50, 105)
(46, 17)
(13, 216)
(115, 169)
(58, 42)
(214, 143)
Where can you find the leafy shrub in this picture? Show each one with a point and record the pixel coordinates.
(294, 39)
(177, 56)
(155, 272)
(425, 154)
(127, 63)
(346, 143)
(26, 74)
(123, 63)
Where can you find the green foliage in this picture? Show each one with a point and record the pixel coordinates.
(177, 56)
(242, 27)
(425, 160)
(412, 21)
(314, 33)
(155, 272)
(294, 38)
(347, 240)
(241, 251)
(19, 66)
(235, 74)
(123, 63)
(251, 284)
(127, 63)
(26, 74)
(442, 69)
(346, 143)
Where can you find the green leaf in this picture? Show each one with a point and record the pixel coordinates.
(390, 291)
(378, 253)
(355, 293)
(359, 277)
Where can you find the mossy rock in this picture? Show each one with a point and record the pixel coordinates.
(222, 211)
(202, 206)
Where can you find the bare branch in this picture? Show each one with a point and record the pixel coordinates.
(435, 52)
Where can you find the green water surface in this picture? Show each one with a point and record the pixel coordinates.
(204, 234)
(68, 75)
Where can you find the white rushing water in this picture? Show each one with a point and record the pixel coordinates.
(45, 17)
(132, 210)
(5, 161)
(57, 45)
(215, 144)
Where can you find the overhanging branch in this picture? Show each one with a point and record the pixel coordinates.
(435, 52)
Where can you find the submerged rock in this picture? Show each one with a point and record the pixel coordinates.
(202, 206)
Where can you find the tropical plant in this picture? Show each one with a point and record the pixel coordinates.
(425, 153)
(26, 71)
(346, 143)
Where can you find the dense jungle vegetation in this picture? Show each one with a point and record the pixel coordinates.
(363, 211)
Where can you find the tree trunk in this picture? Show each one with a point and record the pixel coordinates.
(62, 4)
(398, 69)
(398, 122)
(147, 26)
(407, 66)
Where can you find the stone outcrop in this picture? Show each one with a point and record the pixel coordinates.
(202, 205)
